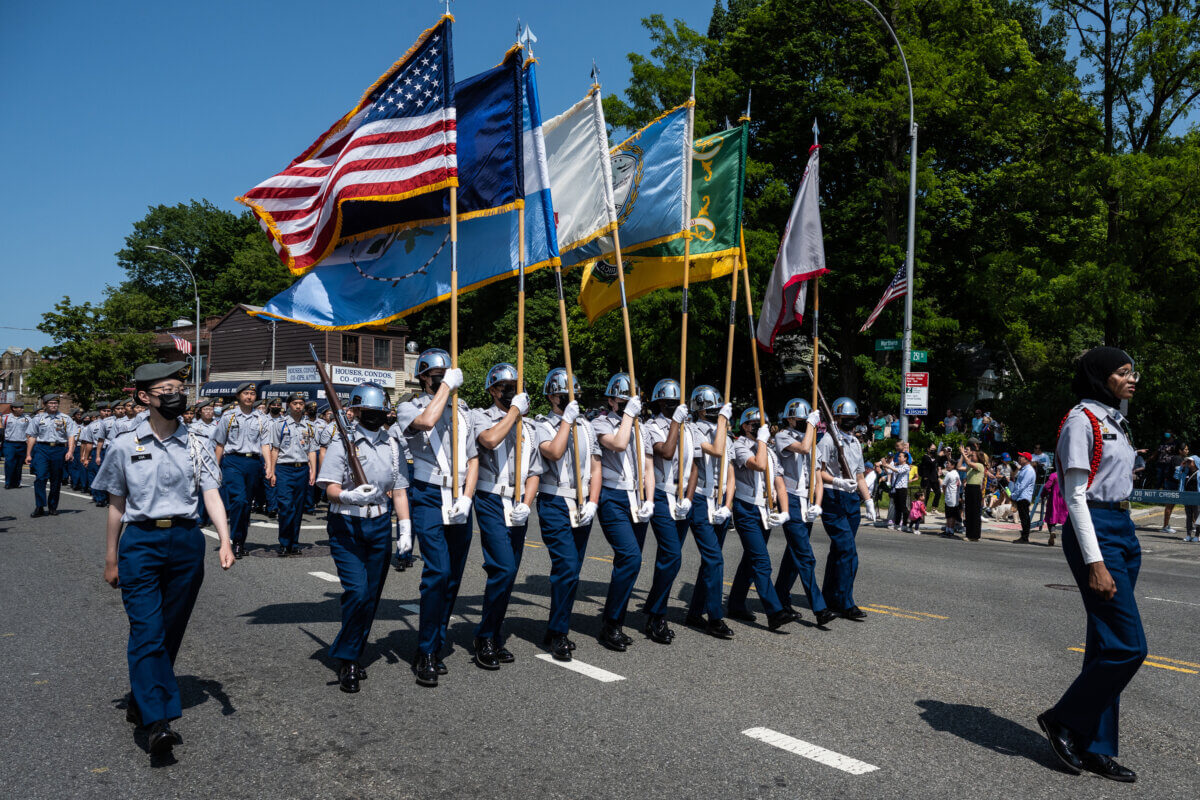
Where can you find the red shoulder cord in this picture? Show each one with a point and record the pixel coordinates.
(1097, 443)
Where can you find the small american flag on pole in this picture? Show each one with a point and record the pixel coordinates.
(181, 344)
(896, 288)
(398, 142)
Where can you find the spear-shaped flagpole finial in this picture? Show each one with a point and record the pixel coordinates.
(816, 133)
(595, 73)
(446, 3)
(526, 38)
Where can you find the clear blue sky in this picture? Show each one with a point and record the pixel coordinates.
(113, 107)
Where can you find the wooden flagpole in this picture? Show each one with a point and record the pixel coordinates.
(454, 338)
(733, 292)
(754, 356)
(518, 487)
(573, 439)
(687, 274)
(637, 424)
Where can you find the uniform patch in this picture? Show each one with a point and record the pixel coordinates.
(1108, 436)
(142, 457)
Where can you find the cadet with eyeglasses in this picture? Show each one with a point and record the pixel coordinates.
(293, 468)
(155, 477)
(15, 425)
(242, 452)
(49, 445)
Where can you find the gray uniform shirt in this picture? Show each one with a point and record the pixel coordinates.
(157, 479)
(204, 430)
(749, 484)
(795, 465)
(619, 470)
(16, 428)
(827, 457)
(665, 470)
(424, 446)
(294, 440)
(710, 466)
(381, 461)
(1114, 477)
(558, 477)
(52, 428)
(496, 467)
(239, 432)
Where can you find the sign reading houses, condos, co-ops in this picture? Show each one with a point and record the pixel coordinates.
(349, 376)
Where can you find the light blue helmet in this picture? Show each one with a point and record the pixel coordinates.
(618, 386)
(666, 389)
(433, 358)
(845, 407)
(368, 395)
(797, 407)
(500, 372)
(704, 396)
(751, 414)
(556, 382)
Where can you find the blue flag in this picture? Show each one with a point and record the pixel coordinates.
(501, 169)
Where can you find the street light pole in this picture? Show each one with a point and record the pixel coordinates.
(912, 226)
(196, 361)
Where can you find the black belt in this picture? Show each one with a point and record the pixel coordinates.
(245, 455)
(168, 522)
(54, 444)
(293, 463)
(1120, 505)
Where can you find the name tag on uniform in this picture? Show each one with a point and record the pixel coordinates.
(142, 457)
(1107, 436)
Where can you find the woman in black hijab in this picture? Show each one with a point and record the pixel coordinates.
(1094, 459)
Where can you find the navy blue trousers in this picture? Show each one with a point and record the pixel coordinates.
(49, 463)
(756, 561)
(567, 547)
(710, 539)
(160, 571)
(669, 533)
(14, 463)
(502, 548)
(626, 538)
(444, 550)
(239, 477)
(93, 469)
(1116, 642)
(840, 516)
(291, 489)
(360, 548)
(798, 559)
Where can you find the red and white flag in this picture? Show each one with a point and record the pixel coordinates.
(801, 258)
(181, 344)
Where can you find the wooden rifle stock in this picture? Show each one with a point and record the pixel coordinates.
(335, 404)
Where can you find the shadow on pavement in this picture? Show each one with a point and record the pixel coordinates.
(983, 727)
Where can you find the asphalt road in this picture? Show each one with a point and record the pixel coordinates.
(933, 696)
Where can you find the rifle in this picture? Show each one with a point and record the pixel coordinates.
(335, 404)
(833, 434)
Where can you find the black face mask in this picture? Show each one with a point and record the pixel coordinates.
(435, 382)
(172, 406)
(507, 395)
(372, 420)
(621, 406)
(846, 424)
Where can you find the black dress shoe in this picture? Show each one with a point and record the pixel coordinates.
(612, 638)
(740, 614)
(53, 512)
(503, 654)
(293, 550)
(162, 738)
(855, 613)
(791, 610)
(625, 638)
(132, 715)
(1105, 767)
(656, 629)
(560, 648)
(426, 670)
(1062, 742)
(824, 617)
(283, 552)
(485, 654)
(38, 512)
(440, 666)
(239, 551)
(779, 619)
(272, 514)
(695, 621)
(719, 629)
(348, 677)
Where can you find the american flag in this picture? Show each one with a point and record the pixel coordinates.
(398, 142)
(181, 344)
(896, 288)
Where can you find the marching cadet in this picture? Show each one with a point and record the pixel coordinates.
(274, 411)
(565, 510)
(74, 477)
(710, 514)
(84, 444)
(330, 432)
(623, 513)
(360, 520)
(97, 458)
(293, 469)
(443, 525)
(15, 425)
(155, 478)
(203, 427)
(755, 465)
(241, 452)
(670, 517)
(1094, 458)
(314, 422)
(795, 449)
(49, 445)
(502, 522)
(189, 417)
(840, 508)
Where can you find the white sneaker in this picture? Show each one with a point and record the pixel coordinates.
(1168, 529)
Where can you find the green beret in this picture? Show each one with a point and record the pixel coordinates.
(203, 403)
(152, 373)
(46, 398)
(18, 404)
(101, 404)
(297, 396)
(244, 386)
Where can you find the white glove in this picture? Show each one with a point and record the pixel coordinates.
(726, 412)
(845, 485)
(721, 515)
(521, 403)
(453, 379)
(814, 511)
(403, 537)
(871, 509)
(764, 433)
(520, 514)
(682, 509)
(460, 510)
(813, 418)
(776, 518)
(587, 513)
(646, 510)
(362, 496)
(571, 413)
(633, 407)
(680, 415)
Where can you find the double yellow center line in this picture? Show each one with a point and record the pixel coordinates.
(1156, 661)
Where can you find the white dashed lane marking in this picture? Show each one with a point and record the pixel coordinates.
(325, 576)
(602, 675)
(811, 751)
